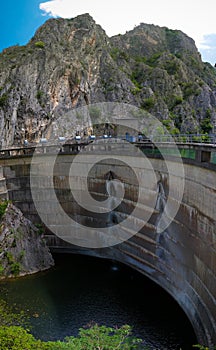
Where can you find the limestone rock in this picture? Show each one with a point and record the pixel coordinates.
(22, 248)
(72, 62)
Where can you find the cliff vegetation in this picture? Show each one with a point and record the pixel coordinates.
(22, 248)
(72, 62)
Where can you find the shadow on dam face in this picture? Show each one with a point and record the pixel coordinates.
(115, 294)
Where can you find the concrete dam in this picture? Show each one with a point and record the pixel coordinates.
(179, 255)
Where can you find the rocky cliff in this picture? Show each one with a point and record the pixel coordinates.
(22, 248)
(72, 62)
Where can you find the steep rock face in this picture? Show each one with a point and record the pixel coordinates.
(166, 66)
(71, 63)
(22, 249)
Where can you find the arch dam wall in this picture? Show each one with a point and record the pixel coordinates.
(182, 259)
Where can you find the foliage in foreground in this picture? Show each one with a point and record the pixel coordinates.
(13, 336)
(201, 347)
(95, 337)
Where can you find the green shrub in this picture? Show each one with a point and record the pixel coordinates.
(188, 89)
(13, 245)
(135, 91)
(3, 100)
(40, 229)
(177, 100)
(21, 255)
(196, 138)
(174, 131)
(167, 123)
(208, 113)
(178, 55)
(134, 78)
(153, 60)
(102, 337)
(205, 138)
(201, 347)
(140, 59)
(40, 44)
(95, 337)
(171, 67)
(15, 268)
(148, 103)
(115, 53)
(9, 257)
(17, 338)
(39, 95)
(206, 125)
(1, 270)
(3, 207)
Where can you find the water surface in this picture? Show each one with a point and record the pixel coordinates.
(80, 290)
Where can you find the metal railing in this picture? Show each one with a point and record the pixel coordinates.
(186, 138)
(190, 141)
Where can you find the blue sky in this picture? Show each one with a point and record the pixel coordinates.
(20, 19)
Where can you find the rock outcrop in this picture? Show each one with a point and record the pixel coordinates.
(22, 248)
(72, 62)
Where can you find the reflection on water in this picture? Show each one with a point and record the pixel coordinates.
(80, 289)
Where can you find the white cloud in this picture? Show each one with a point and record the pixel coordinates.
(208, 48)
(193, 17)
